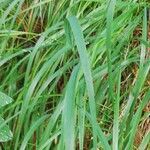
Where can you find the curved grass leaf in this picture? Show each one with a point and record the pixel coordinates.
(85, 64)
(69, 112)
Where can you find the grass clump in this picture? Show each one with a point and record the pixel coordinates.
(78, 72)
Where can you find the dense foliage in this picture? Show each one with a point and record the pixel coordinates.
(78, 73)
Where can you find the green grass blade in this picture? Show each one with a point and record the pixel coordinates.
(110, 14)
(29, 134)
(79, 40)
(69, 112)
(144, 37)
(116, 115)
(136, 120)
(85, 64)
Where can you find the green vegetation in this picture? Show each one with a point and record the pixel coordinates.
(78, 74)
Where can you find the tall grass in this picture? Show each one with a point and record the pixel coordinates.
(78, 73)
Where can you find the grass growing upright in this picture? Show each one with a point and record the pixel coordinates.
(78, 73)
